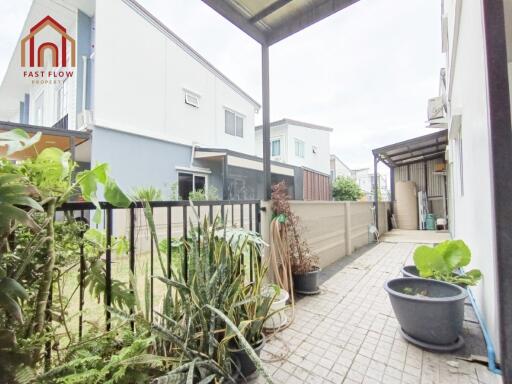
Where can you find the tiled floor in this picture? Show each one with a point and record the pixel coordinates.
(348, 334)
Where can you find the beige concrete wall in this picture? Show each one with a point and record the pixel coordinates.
(335, 229)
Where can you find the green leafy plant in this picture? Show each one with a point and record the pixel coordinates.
(345, 188)
(443, 261)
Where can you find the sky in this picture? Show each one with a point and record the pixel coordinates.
(366, 71)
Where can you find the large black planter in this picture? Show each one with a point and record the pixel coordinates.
(247, 366)
(412, 271)
(430, 312)
(307, 283)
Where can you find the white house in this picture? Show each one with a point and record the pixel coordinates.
(467, 109)
(297, 143)
(339, 168)
(148, 98)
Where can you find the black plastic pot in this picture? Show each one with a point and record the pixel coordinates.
(247, 367)
(430, 312)
(410, 271)
(307, 283)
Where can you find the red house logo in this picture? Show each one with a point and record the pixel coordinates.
(59, 55)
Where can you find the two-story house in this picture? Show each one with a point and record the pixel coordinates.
(297, 143)
(148, 100)
(339, 168)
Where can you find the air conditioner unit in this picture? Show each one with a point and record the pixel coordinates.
(436, 113)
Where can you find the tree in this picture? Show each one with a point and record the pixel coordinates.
(346, 189)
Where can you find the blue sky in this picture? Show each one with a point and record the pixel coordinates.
(366, 71)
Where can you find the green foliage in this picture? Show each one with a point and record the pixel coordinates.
(441, 262)
(201, 195)
(118, 362)
(346, 189)
(15, 193)
(11, 293)
(17, 140)
(147, 194)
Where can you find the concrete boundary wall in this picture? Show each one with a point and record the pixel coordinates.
(332, 229)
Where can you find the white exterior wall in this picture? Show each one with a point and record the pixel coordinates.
(339, 169)
(472, 210)
(277, 132)
(140, 78)
(310, 136)
(68, 18)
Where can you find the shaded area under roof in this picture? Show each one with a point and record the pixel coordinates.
(270, 21)
(411, 151)
(51, 137)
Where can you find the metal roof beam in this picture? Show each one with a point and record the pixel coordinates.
(411, 154)
(278, 4)
(306, 18)
(412, 160)
(437, 144)
(416, 140)
(236, 18)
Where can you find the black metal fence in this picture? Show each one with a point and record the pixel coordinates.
(171, 219)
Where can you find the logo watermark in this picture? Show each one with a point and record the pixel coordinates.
(62, 53)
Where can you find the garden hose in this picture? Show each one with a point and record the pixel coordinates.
(281, 267)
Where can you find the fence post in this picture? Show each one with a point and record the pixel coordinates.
(348, 229)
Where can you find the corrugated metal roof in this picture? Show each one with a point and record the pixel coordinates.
(270, 21)
(414, 150)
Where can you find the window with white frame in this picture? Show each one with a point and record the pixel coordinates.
(299, 148)
(275, 147)
(190, 182)
(62, 100)
(234, 123)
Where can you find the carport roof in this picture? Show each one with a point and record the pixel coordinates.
(270, 21)
(411, 151)
(51, 137)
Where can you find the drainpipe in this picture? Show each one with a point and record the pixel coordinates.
(491, 353)
(84, 90)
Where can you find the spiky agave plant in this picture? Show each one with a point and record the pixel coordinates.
(192, 329)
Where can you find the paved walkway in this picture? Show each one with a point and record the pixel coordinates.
(348, 334)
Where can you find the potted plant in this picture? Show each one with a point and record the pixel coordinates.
(253, 306)
(430, 312)
(443, 262)
(304, 264)
(278, 319)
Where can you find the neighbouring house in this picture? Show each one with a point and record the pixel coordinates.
(147, 107)
(339, 168)
(365, 180)
(302, 145)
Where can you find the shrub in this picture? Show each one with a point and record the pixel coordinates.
(346, 189)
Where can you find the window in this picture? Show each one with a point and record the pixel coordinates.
(189, 182)
(191, 99)
(299, 148)
(62, 101)
(275, 147)
(234, 123)
(39, 110)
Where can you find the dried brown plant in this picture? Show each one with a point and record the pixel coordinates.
(302, 259)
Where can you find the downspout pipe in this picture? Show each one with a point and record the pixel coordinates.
(491, 353)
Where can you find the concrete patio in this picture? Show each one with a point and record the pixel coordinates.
(348, 334)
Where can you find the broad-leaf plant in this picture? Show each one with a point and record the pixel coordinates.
(444, 262)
